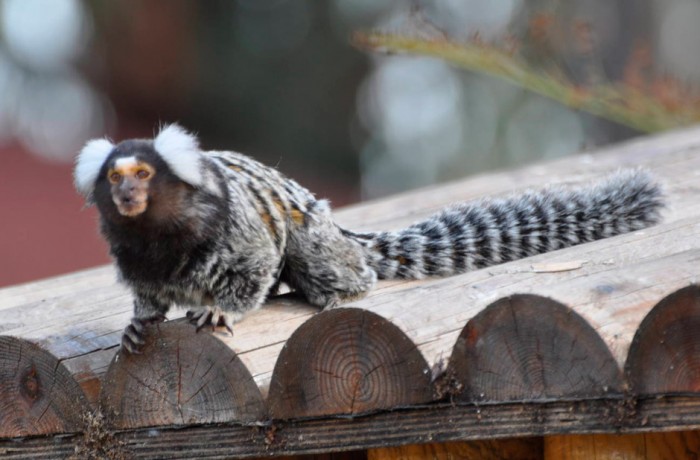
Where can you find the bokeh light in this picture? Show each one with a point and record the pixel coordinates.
(47, 105)
(44, 34)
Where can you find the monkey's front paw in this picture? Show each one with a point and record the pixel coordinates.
(133, 338)
(211, 316)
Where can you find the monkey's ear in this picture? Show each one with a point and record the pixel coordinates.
(180, 150)
(88, 165)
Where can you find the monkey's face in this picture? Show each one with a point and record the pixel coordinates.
(129, 180)
(146, 182)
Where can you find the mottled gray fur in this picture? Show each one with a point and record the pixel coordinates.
(228, 244)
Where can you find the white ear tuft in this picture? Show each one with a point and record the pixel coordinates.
(180, 150)
(88, 165)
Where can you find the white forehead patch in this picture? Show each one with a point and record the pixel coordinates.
(88, 165)
(126, 163)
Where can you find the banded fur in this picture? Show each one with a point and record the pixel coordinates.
(474, 235)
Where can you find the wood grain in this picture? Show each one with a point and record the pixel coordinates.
(665, 354)
(527, 347)
(182, 377)
(427, 424)
(37, 393)
(677, 445)
(347, 361)
(501, 449)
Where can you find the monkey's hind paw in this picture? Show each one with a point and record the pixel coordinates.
(211, 316)
(133, 337)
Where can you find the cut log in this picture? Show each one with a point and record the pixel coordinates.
(347, 361)
(527, 347)
(37, 393)
(665, 353)
(182, 377)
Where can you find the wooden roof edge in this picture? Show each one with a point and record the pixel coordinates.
(78, 319)
(348, 362)
(441, 422)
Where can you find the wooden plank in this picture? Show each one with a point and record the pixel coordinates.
(349, 455)
(677, 445)
(434, 424)
(595, 447)
(501, 449)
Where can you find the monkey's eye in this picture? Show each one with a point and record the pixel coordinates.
(143, 174)
(114, 177)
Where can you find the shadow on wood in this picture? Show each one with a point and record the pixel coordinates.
(182, 377)
(527, 347)
(347, 361)
(664, 356)
(37, 394)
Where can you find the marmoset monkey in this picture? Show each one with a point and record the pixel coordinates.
(218, 231)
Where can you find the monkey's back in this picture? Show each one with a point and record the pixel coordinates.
(280, 202)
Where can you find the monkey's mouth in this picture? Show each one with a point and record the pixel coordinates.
(131, 208)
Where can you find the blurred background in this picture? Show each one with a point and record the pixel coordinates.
(280, 80)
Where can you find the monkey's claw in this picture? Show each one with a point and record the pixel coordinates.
(211, 317)
(133, 337)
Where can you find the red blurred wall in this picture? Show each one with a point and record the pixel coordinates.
(44, 230)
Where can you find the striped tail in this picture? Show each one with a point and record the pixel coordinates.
(486, 232)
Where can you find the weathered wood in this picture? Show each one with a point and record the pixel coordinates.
(78, 318)
(502, 449)
(347, 361)
(37, 394)
(665, 354)
(181, 378)
(677, 445)
(527, 347)
(617, 285)
(434, 423)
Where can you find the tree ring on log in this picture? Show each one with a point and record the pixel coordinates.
(347, 361)
(526, 347)
(664, 356)
(38, 395)
(181, 377)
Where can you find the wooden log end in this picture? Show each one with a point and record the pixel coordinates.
(347, 361)
(664, 356)
(527, 347)
(37, 393)
(182, 377)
